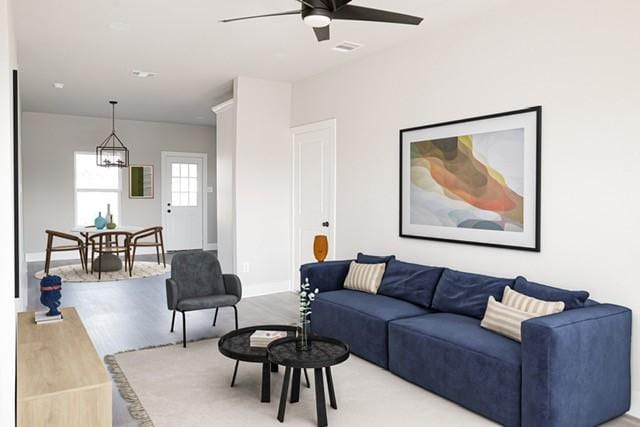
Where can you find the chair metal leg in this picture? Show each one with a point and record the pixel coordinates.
(184, 330)
(235, 372)
(215, 317)
(173, 320)
(235, 311)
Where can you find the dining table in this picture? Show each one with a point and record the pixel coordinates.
(109, 262)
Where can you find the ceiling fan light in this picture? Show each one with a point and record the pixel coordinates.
(317, 21)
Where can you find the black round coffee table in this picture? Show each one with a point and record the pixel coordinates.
(236, 345)
(324, 353)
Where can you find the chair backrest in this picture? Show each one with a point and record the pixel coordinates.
(197, 274)
(118, 238)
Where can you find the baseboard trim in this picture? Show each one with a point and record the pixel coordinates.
(259, 289)
(211, 247)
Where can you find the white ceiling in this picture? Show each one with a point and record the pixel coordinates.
(195, 56)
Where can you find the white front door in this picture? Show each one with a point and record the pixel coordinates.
(314, 191)
(182, 198)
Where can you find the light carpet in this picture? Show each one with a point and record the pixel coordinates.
(75, 272)
(190, 387)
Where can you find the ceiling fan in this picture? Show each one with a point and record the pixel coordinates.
(318, 14)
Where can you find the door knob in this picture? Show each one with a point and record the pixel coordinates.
(168, 210)
(325, 224)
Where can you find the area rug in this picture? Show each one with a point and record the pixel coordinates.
(173, 386)
(75, 273)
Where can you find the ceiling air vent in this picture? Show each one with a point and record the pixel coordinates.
(346, 47)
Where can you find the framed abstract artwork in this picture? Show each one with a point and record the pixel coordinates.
(141, 182)
(474, 181)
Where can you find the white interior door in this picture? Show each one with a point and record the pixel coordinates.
(182, 190)
(314, 191)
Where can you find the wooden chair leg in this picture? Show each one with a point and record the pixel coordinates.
(81, 253)
(133, 258)
(47, 262)
(157, 248)
(164, 262)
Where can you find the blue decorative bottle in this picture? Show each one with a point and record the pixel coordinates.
(100, 222)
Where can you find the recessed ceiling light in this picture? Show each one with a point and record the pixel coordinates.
(346, 47)
(119, 26)
(58, 85)
(144, 74)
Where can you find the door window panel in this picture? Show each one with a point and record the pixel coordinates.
(184, 184)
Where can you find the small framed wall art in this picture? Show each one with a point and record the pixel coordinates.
(141, 182)
(474, 181)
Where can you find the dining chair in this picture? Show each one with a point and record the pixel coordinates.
(110, 242)
(77, 245)
(139, 240)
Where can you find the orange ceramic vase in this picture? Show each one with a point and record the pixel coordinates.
(320, 247)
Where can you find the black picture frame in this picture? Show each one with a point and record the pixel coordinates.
(16, 183)
(537, 110)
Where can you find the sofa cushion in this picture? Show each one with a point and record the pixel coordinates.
(467, 293)
(571, 299)
(373, 259)
(410, 282)
(454, 357)
(360, 320)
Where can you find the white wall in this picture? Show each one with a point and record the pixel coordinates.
(263, 184)
(8, 61)
(49, 142)
(580, 60)
(226, 194)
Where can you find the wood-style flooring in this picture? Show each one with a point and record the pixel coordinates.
(133, 314)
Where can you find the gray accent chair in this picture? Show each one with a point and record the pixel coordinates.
(197, 283)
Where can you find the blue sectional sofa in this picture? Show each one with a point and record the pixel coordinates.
(571, 369)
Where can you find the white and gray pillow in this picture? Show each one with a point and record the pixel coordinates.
(506, 318)
(364, 277)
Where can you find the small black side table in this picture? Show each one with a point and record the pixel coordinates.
(236, 345)
(324, 353)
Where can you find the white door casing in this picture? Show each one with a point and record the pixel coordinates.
(184, 200)
(314, 182)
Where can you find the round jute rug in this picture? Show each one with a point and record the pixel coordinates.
(75, 273)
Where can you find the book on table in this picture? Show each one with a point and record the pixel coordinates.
(261, 339)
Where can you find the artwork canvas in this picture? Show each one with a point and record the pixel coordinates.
(473, 181)
(141, 182)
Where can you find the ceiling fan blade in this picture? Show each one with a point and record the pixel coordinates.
(323, 33)
(359, 13)
(306, 3)
(340, 3)
(291, 12)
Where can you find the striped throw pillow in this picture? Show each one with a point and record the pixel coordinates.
(505, 320)
(529, 304)
(364, 277)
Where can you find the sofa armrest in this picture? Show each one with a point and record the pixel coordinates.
(232, 285)
(172, 294)
(576, 366)
(326, 276)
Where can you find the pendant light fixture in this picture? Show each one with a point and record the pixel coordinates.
(112, 152)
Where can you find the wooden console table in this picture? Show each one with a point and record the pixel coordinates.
(61, 380)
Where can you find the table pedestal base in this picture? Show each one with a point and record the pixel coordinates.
(107, 262)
